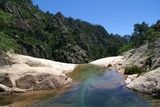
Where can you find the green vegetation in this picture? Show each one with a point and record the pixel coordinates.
(125, 48)
(133, 70)
(30, 31)
(7, 43)
(5, 20)
(27, 30)
(143, 33)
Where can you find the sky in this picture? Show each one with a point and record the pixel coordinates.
(116, 16)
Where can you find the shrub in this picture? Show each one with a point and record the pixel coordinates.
(133, 70)
(7, 43)
(125, 48)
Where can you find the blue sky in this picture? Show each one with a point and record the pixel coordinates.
(117, 16)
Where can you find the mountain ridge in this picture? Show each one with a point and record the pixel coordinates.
(30, 31)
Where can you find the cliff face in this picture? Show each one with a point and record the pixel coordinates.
(140, 56)
(27, 30)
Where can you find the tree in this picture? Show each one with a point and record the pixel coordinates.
(138, 37)
(139, 29)
(156, 26)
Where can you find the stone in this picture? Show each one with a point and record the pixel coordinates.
(26, 82)
(4, 88)
(32, 74)
(42, 81)
(130, 78)
(147, 57)
(147, 83)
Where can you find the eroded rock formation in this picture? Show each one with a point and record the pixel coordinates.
(27, 74)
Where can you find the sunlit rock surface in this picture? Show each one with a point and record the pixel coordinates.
(26, 73)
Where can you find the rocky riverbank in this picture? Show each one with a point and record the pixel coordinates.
(116, 62)
(148, 58)
(148, 82)
(19, 73)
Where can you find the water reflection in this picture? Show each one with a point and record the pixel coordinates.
(93, 87)
(106, 90)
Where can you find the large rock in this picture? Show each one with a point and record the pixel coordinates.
(155, 54)
(114, 62)
(147, 56)
(137, 56)
(130, 78)
(28, 74)
(42, 81)
(147, 83)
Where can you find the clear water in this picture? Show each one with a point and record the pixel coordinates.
(93, 87)
(104, 90)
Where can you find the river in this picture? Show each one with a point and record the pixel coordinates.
(96, 87)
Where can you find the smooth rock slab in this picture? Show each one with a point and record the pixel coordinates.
(28, 73)
(147, 83)
(42, 81)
